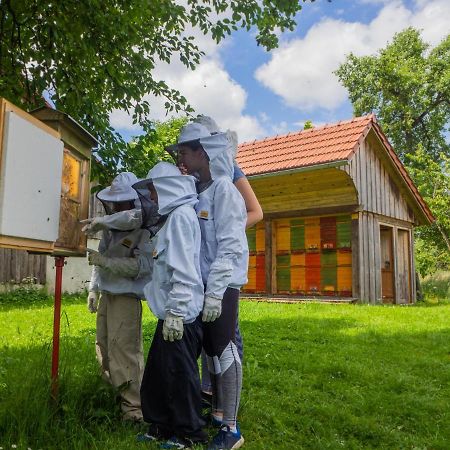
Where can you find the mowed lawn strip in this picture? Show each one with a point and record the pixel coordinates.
(315, 376)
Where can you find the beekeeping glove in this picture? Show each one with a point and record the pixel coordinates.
(124, 267)
(92, 301)
(212, 308)
(172, 327)
(92, 225)
(96, 258)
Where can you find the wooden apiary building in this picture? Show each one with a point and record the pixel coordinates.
(339, 211)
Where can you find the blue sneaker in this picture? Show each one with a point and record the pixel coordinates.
(225, 439)
(176, 443)
(154, 433)
(146, 437)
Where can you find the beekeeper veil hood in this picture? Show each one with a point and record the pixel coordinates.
(219, 146)
(173, 188)
(120, 191)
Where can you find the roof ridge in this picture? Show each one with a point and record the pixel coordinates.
(370, 116)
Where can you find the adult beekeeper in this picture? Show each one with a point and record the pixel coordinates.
(122, 267)
(224, 261)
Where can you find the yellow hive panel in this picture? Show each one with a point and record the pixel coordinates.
(251, 284)
(344, 258)
(312, 234)
(298, 259)
(260, 239)
(344, 278)
(312, 221)
(283, 237)
(298, 282)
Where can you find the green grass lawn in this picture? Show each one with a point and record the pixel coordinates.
(315, 376)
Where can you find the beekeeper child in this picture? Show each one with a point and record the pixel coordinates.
(122, 267)
(170, 391)
(224, 261)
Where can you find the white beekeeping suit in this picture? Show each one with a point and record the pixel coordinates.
(176, 285)
(170, 389)
(224, 260)
(122, 268)
(120, 221)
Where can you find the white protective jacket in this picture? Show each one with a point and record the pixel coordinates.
(123, 220)
(222, 216)
(176, 284)
(132, 268)
(129, 262)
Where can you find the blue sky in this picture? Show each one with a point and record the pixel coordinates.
(260, 93)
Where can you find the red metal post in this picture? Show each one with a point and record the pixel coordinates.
(59, 264)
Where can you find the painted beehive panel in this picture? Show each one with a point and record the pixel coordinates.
(312, 279)
(328, 233)
(312, 260)
(283, 236)
(344, 281)
(298, 280)
(260, 238)
(298, 259)
(312, 234)
(344, 258)
(344, 232)
(251, 284)
(256, 269)
(328, 258)
(328, 280)
(297, 235)
(260, 273)
(251, 239)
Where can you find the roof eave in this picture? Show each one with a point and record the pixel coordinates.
(326, 165)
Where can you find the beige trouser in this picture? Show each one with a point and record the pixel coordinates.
(119, 348)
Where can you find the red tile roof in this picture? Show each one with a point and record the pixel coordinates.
(315, 146)
(319, 145)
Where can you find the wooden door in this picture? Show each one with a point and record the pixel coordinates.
(403, 267)
(387, 265)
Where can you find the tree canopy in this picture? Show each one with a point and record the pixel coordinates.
(407, 86)
(94, 56)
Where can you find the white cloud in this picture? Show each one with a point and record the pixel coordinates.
(122, 120)
(209, 89)
(301, 70)
(433, 18)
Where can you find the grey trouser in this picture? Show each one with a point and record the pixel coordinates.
(119, 348)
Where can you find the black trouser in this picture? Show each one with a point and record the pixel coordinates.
(170, 390)
(218, 334)
(225, 365)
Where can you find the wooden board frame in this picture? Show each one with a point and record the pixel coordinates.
(14, 242)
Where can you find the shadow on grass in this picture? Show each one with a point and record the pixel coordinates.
(309, 382)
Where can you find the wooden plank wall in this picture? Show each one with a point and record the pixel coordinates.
(378, 188)
(369, 258)
(382, 198)
(15, 265)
